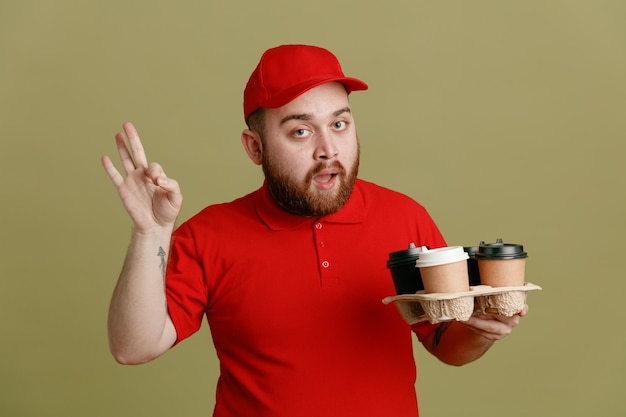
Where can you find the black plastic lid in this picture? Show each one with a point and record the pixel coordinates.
(471, 250)
(404, 256)
(500, 250)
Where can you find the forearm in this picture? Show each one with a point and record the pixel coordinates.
(139, 325)
(456, 344)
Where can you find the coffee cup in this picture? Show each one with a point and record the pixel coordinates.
(405, 275)
(501, 264)
(444, 270)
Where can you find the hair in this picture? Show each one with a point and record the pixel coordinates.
(256, 122)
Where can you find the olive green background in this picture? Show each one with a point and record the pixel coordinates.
(504, 118)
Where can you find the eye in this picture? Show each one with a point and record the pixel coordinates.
(340, 125)
(300, 133)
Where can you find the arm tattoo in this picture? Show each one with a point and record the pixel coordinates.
(440, 330)
(162, 254)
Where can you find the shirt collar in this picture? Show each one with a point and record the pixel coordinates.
(277, 218)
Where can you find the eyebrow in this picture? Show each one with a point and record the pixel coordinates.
(307, 116)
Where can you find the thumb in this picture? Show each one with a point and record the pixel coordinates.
(171, 187)
(162, 181)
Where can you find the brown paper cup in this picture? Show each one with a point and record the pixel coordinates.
(452, 277)
(502, 272)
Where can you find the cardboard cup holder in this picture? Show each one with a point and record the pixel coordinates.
(460, 306)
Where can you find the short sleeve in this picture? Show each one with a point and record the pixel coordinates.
(186, 291)
(423, 329)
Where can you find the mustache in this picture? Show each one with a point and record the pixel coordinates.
(322, 166)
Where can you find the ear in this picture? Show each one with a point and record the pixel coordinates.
(251, 142)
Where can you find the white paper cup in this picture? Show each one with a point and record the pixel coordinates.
(444, 270)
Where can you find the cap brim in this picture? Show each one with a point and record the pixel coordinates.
(351, 84)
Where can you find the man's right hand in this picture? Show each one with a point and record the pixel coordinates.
(140, 328)
(151, 199)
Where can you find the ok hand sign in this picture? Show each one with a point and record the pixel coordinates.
(151, 199)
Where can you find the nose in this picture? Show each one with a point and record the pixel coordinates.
(325, 148)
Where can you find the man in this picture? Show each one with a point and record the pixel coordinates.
(290, 276)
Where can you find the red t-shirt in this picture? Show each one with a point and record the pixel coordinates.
(294, 304)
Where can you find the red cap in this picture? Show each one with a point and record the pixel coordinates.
(286, 71)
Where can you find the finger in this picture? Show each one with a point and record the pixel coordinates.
(174, 196)
(173, 191)
(154, 171)
(136, 147)
(157, 175)
(489, 328)
(125, 156)
(110, 169)
(524, 311)
(509, 321)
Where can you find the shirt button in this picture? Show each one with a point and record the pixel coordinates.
(318, 225)
(325, 264)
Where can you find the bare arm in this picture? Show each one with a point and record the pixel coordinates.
(458, 343)
(139, 326)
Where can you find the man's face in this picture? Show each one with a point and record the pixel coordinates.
(311, 151)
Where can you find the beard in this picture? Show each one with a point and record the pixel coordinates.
(301, 198)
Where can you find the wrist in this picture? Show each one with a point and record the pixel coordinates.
(153, 233)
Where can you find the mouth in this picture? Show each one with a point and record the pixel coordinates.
(325, 179)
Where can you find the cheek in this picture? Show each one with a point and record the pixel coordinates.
(290, 163)
(349, 151)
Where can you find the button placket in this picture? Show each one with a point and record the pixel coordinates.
(322, 252)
